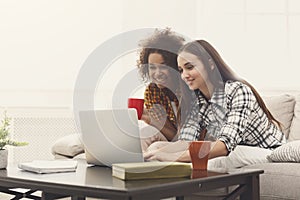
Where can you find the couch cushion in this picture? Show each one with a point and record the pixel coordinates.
(279, 180)
(295, 127)
(282, 108)
(289, 152)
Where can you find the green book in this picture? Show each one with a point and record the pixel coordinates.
(151, 170)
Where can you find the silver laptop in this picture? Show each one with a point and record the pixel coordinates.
(111, 136)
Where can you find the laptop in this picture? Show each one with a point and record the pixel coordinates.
(111, 136)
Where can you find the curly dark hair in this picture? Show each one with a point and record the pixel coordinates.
(164, 42)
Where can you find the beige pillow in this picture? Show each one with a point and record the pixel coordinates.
(289, 152)
(295, 127)
(69, 145)
(282, 109)
(241, 156)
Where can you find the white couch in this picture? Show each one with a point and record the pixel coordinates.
(281, 178)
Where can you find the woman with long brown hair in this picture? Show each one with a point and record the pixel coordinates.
(228, 110)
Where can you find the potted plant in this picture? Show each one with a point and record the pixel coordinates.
(5, 140)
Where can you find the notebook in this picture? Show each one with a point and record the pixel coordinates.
(111, 136)
(49, 166)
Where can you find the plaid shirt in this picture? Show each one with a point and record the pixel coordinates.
(233, 116)
(164, 97)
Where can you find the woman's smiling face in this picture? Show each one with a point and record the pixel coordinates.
(192, 70)
(159, 72)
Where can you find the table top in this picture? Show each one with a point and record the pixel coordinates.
(97, 179)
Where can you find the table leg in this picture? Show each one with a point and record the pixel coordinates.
(51, 196)
(252, 189)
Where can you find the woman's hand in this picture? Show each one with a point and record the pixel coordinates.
(155, 116)
(145, 116)
(165, 156)
(179, 151)
(168, 151)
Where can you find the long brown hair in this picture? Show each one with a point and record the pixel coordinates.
(206, 53)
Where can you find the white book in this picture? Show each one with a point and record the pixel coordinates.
(49, 166)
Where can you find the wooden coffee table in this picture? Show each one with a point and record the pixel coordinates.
(97, 182)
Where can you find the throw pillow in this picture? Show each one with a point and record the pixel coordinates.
(295, 127)
(289, 152)
(241, 156)
(69, 145)
(282, 108)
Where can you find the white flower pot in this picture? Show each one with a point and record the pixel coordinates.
(3, 158)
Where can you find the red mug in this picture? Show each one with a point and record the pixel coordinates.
(199, 151)
(138, 104)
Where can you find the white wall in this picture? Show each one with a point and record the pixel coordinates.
(258, 38)
(43, 43)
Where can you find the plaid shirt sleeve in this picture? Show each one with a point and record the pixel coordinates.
(191, 129)
(240, 103)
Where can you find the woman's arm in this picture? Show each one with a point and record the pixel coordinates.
(168, 151)
(178, 151)
(217, 149)
(155, 114)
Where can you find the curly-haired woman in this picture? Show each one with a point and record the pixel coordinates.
(157, 64)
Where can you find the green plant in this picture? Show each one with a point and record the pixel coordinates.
(4, 134)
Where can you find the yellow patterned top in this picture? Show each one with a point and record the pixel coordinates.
(164, 97)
